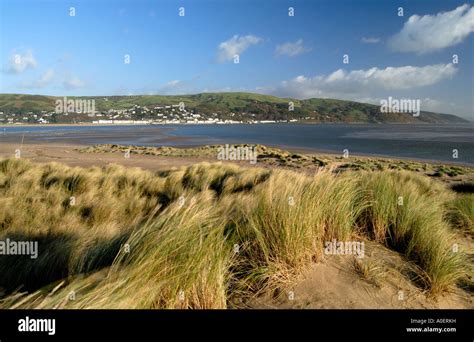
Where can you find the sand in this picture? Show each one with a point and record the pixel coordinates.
(69, 155)
(332, 283)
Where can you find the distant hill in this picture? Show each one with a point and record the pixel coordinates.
(261, 107)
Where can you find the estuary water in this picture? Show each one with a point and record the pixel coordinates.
(421, 141)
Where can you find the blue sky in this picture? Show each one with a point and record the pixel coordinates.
(298, 56)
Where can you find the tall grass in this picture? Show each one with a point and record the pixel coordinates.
(461, 212)
(179, 260)
(283, 224)
(408, 217)
(201, 236)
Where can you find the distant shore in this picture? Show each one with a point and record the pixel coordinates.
(370, 141)
(70, 154)
(85, 124)
(68, 124)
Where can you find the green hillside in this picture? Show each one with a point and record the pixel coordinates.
(261, 107)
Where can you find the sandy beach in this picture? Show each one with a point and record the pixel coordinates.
(68, 154)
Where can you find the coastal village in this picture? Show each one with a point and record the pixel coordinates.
(219, 108)
(156, 114)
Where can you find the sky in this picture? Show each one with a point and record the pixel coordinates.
(364, 50)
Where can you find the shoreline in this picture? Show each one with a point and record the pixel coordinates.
(147, 135)
(333, 153)
(60, 151)
(87, 124)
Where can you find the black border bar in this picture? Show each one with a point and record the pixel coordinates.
(354, 325)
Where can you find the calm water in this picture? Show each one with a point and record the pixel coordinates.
(431, 142)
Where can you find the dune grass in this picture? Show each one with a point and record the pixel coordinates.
(406, 213)
(461, 212)
(205, 235)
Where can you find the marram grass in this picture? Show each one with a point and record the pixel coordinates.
(205, 235)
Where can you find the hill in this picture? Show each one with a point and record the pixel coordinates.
(232, 106)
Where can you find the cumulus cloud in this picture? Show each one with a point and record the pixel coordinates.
(73, 82)
(291, 49)
(235, 46)
(428, 33)
(370, 40)
(44, 80)
(350, 84)
(19, 62)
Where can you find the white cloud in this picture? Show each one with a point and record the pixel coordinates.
(428, 33)
(370, 40)
(19, 62)
(291, 49)
(44, 80)
(73, 83)
(173, 87)
(355, 83)
(173, 83)
(235, 46)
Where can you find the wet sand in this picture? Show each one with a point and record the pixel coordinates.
(154, 135)
(62, 146)
(69, 155)
(151, 135)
